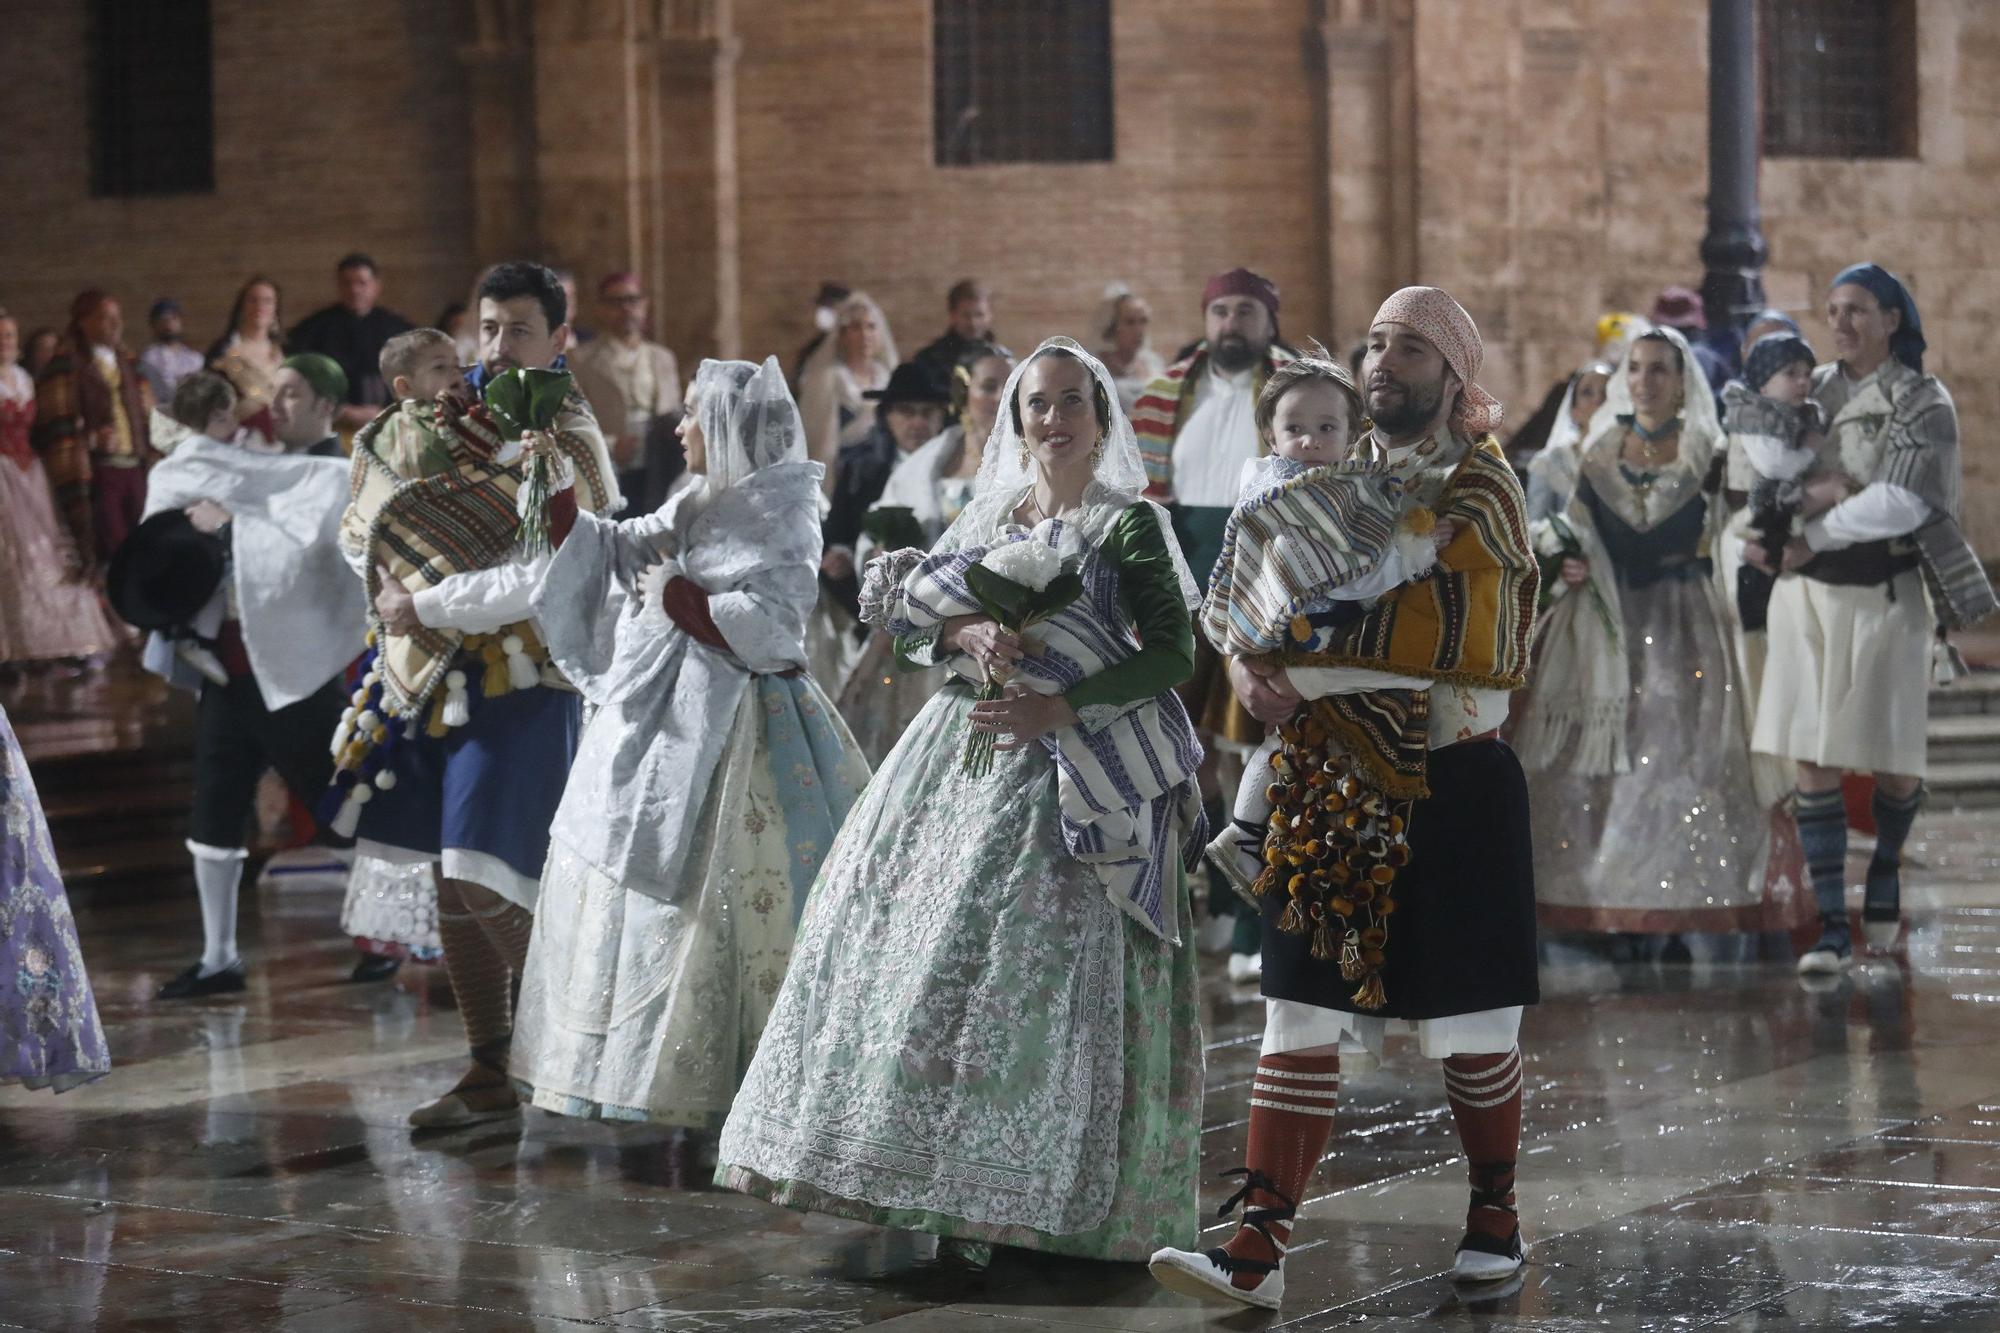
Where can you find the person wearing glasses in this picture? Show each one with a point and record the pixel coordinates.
(629, 381)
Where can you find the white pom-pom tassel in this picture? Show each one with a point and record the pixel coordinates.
(522, 673)
(344, 733)
(385, 780)
(349, 818)
(457, 703)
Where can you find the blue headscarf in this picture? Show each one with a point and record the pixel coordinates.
(1906, 344)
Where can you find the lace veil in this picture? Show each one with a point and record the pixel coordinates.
(748, 419)
(1004, 478)
(1701, 428)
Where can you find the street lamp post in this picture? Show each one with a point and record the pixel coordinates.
(1733, 249)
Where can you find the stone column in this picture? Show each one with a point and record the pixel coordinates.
(1733, 249)
(1369, 141)
(500, 146)
(688, 167)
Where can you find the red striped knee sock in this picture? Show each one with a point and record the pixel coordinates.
(1291, 1116)
(1485, 1095)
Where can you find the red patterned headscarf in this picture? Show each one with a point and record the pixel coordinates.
(1443, 323)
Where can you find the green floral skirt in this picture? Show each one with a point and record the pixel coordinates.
(972, 1040)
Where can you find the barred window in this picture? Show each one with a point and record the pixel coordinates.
(152, 121)
(1840, 77)
(1021, 81)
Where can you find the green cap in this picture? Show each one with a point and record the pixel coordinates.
(328, 380)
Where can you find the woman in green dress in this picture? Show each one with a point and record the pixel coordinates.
(989, 1030)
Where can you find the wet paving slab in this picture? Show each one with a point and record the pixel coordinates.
(1706, 1146)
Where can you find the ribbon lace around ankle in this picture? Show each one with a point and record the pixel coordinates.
(1258, 1219)
(1496, 1195)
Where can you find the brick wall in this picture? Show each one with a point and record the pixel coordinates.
(1558, 161)
(337, 127)
(1216, 166)
(1593, 196)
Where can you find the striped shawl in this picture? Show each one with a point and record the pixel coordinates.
(1126, 787)
(1166, 403)
(425, 529)
(1471, 621)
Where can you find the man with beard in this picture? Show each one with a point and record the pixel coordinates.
(463, 764)
(1197, 428)
(1455, 963)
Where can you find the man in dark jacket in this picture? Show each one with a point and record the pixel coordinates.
(352, 332)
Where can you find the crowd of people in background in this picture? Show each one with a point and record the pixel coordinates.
(1732, 558)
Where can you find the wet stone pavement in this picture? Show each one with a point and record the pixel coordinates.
(1706, 1147)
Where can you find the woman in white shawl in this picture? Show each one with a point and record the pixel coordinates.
(1646, 820)
(708, 783)
(857, 358)
(880, 697)
(990, 1031)
(1551, 475)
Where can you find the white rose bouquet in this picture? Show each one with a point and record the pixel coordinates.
(1555, 541)
(1018, 583)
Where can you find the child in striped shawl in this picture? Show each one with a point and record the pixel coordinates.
(1345, 549)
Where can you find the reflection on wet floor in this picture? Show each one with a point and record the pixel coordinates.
(1706, 1146)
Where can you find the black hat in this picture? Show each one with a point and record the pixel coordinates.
(163, 574)
(911, 382)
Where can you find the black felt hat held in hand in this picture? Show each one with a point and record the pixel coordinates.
(164, 573)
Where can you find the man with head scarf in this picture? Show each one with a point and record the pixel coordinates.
(1197, 428)
(1847, 682)
(1456, 961)
(91, 412)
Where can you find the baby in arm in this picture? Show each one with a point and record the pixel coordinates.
(1347, 543)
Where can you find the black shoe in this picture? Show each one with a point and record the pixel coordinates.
(192, 985)
(374, 967)
(1882, 906)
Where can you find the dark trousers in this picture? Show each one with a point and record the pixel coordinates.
(237, 738)
(117, 499)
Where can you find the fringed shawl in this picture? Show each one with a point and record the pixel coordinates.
(1127, 787)
(1471, 622)
(428, 528)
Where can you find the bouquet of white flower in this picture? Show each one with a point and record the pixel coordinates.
(1556, 541)
(1018, 583)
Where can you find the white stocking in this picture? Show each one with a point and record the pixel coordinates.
(218, 872)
